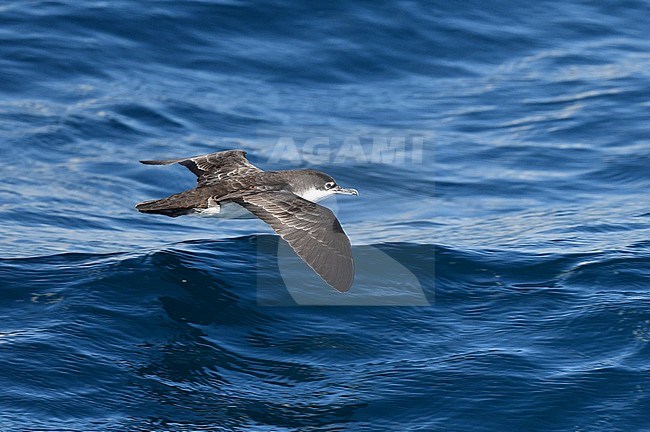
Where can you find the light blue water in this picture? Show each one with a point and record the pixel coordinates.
(519, 207)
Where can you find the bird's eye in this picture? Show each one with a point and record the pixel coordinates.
(329, 185)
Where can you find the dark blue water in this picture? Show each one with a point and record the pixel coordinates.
(502, 152)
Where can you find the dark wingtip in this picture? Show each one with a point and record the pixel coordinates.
(161, 161)
(141, 206)
(343, 289)
(347, 286)
(343, 283)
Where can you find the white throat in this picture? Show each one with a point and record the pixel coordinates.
(315, 195)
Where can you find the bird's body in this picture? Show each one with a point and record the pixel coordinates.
(214, 199)
(228, 186)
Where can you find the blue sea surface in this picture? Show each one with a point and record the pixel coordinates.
(502, 154)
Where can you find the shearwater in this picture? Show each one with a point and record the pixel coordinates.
(228, 185)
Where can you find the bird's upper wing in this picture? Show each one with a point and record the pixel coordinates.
(311, 230)
(213, 167)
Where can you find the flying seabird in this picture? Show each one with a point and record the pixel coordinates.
(229, 186)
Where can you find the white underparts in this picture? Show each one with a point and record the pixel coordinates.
(227, 210)
(315, 195)
(231, 210)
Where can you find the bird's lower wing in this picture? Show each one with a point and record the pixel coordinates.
(311, 230)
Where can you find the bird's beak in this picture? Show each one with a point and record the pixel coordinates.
(340, 190)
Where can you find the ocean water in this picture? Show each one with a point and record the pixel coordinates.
(502, 232)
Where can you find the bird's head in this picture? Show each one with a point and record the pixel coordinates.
(315, 185)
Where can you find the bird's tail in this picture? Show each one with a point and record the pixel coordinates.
(173, 206)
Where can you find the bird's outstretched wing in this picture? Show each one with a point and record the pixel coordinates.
(311, 230)
(213, 167)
